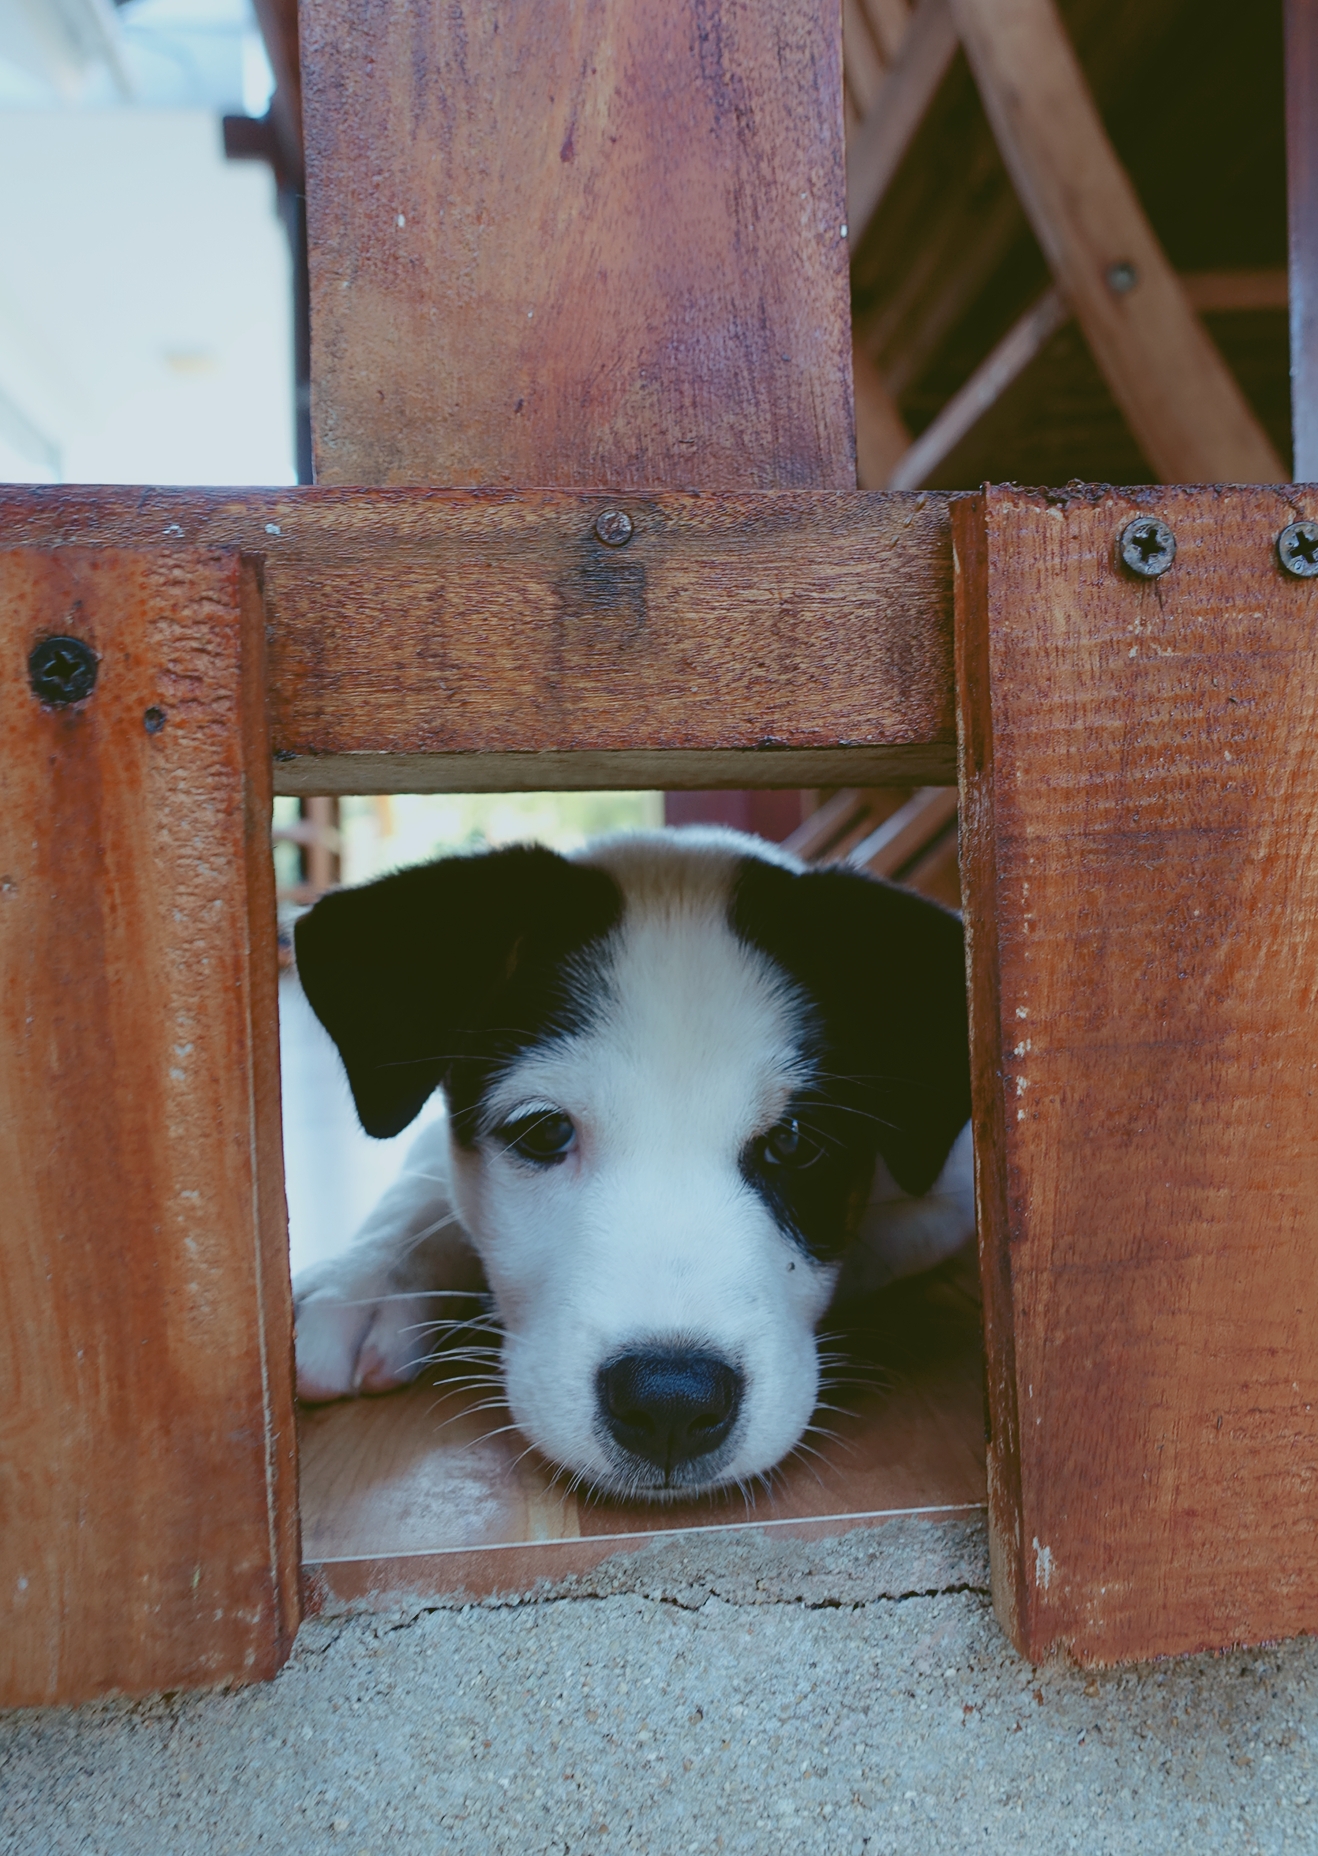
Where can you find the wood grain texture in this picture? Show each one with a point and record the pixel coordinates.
(1140, 870)
(429, 640)
(1180, 400)
(562, 243)
(147, 1455)
(1302, 208)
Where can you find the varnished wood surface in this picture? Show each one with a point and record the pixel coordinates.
(420, 640)
(424, 1489)
(147, 1466)
(563, 243)
(1140, 874)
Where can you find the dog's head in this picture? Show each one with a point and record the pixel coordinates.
(670, 1064)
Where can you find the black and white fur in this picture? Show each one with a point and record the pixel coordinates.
(695, 1092)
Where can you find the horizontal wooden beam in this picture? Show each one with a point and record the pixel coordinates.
(458, 640)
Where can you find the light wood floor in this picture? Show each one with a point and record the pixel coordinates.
(424, 1490)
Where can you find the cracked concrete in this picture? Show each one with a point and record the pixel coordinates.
(839, 1696)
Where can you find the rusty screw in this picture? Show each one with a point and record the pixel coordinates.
(1297, 549)
(62, 670)
(613, 527)
(1147, 546)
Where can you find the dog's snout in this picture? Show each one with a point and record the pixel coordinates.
(669, 1404)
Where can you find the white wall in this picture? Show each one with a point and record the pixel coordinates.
(145, 328)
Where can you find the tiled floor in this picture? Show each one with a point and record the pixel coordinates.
(428, 1489)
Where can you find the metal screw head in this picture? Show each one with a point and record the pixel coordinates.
(613, 527)
(1297, 549)
(153, 720)
(62, 670)
(1147, 546)
(1122, 277)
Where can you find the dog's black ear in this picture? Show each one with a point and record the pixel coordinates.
(412, 972)
(884, 971)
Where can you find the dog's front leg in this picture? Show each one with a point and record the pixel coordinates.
(367, 1320)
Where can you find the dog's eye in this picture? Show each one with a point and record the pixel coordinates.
(788, 1144)
(544, 1136)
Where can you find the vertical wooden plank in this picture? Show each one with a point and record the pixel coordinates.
(1140, 784)
(578, 242)
(1302, 206)
(147, 1469)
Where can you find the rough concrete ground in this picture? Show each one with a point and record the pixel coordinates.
(737, 1696)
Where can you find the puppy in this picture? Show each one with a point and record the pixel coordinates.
(695, 1091)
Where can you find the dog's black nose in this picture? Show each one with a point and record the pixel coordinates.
(668, 1404)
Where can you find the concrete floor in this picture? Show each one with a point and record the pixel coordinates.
(832, 1697)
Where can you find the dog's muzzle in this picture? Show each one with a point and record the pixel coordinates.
(669, 1405)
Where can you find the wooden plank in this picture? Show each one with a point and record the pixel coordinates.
(862, 61)
(882, 439)
(147, 1467)
(1179, 398)
(908, 831)
(1024, 341)
(888, 21)
(278, 22)
(430, 640)
(1302, 206)
(550, 244)
(879, 146)
(1140, 873)
(1208, 292)
(1219, 293)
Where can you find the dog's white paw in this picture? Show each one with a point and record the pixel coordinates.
(348, 1343)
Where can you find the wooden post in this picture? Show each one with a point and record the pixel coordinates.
(147, 1467)
(1302, 206)
(581, 242)
(1140, 873)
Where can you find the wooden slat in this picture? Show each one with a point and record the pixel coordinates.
(888, 20)
(879, 146)
(863, 62)
(422, 641)
(882, 439)
(1023, 343)
(1302, 205)
(147, 1467)
(1218, 293)
(1140, 873)
(1208, 292)
(1176, 393)
(907, 832)
(551, 244)
(278, 22)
